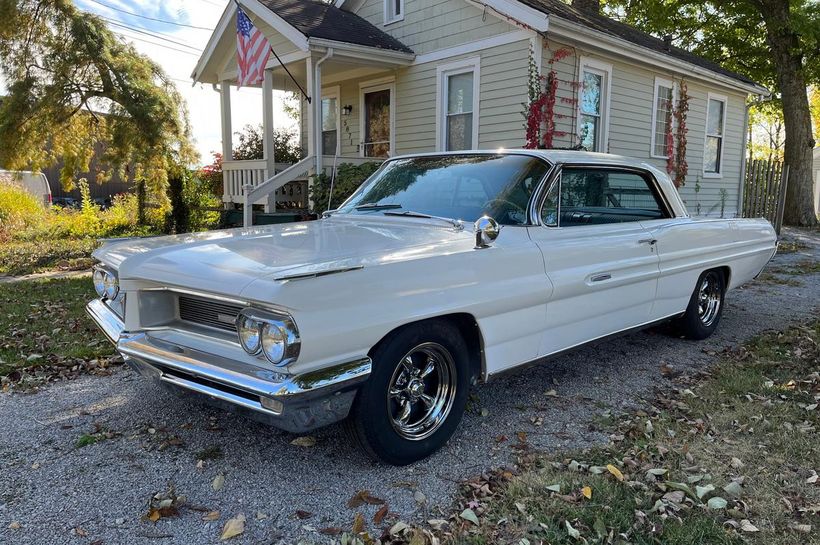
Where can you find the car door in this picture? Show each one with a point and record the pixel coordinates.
(600, 260)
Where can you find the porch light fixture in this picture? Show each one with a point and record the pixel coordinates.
(347, 110)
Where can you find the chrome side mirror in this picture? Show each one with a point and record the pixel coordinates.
(486, 231)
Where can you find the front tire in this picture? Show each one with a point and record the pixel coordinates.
(415, 396)
(705, 307)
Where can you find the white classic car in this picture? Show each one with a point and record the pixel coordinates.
(440, 271)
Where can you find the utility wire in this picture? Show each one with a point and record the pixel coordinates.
(151, 34)
(150, 18)
(119, 33)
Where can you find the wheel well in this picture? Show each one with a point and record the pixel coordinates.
(470, 332)
(727, 275)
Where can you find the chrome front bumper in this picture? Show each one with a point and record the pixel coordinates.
(296, 403)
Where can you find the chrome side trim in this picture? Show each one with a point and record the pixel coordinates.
(304, 276)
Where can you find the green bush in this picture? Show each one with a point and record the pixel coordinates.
(348, 178)
(191, 204)
(19, 211)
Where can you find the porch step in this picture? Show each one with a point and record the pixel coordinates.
(233, 218)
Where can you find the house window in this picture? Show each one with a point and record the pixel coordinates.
(457, 92)
(715, 125)
(593, 106)
(393, 11)
(330, 125)
(662, 110)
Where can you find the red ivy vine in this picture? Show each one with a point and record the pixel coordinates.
(540, 112)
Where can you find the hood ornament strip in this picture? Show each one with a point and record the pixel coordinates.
(303, 276)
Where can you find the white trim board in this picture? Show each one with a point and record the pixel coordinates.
(472, 47)
(443, 71)
(660, 81)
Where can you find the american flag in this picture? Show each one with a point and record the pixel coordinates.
(252, 50)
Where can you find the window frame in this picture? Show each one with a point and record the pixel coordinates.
(390, 16)
(443, 73)
(604, 69)
(335, 92)
(371, 86)
(556, 177)
(660, 82)
(722, 136)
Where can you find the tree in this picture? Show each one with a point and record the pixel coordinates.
(774, 42)
(73, 86)
(286, 147)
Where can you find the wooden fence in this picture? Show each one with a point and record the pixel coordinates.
(764, 190)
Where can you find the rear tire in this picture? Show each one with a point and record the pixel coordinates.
(705, 307)
(415, 396)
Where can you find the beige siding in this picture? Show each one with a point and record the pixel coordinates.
(630, 126)
(429, 25)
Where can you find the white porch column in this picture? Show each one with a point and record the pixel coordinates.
(267, 135)
(309, 126)
(227, 134)
(316, 92)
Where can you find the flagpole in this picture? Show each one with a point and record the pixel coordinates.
(304, 94)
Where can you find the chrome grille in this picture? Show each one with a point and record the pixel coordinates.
(209, 313)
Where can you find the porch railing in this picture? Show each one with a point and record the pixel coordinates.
(238, 174)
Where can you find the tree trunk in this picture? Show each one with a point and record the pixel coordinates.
(788, 58)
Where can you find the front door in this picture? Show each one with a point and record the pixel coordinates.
(377, 123)
(601, 262)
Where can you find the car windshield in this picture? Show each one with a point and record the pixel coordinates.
(463, 187)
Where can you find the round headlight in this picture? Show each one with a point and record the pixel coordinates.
(99, 282)
(249, 334)
(112, 286)
(273, 342)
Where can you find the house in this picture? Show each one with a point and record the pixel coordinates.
(389, 77)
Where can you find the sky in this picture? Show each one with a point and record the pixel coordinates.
(178, 60)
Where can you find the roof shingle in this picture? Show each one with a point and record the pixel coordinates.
(602, 23)
(317, 19)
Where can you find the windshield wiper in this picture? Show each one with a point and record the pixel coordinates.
(411, 214)
(377, 206)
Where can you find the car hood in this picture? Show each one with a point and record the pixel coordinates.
(227, 261)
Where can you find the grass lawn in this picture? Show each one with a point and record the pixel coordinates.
(730, 457)
(25, 257)
(43, 325)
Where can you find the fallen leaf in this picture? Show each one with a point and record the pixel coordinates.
(213, 515)
(747, 526)
(301, 515)
(380, 514)
(419, 497)
(305, 441)
(363, 497)
(551, 393)
(736, 463)
(801, 528)
(233, 528)
(553, 488)
(485, 412)
(586, 492)
(437, 524)
(153, 515)
(469, 515)
(260, 515)
(331, 531)
(15, 525)
(733, 489)
(398, 528)
(219, 482)
(358, 524)
(573, 533)
(701, 491)
(716, 503)
(615, 471)
(600, 527)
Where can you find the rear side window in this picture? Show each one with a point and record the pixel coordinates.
(593, 196)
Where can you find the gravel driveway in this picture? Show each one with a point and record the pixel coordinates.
(54, 492)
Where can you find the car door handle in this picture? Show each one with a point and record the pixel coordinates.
(600, 277)
(650, 241)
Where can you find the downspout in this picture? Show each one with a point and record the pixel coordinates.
(317, 119)
(743, 151)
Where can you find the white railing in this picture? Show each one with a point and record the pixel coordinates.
(261, 191)
(238, 174)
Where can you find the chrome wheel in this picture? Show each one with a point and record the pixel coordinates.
(709, 299)
(421, 391)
